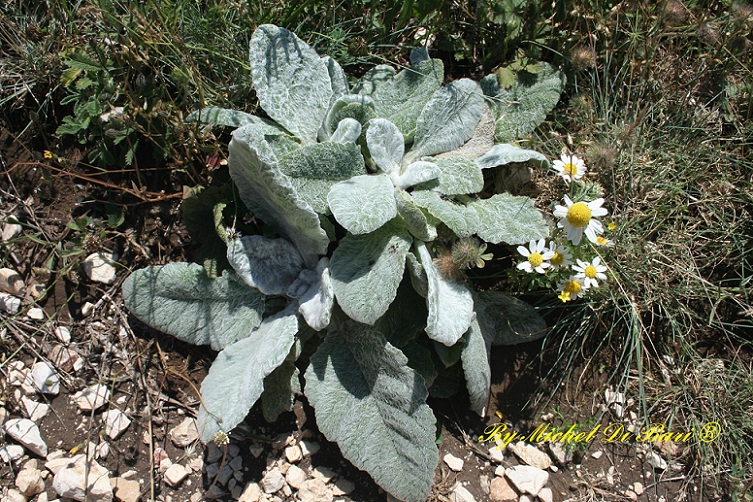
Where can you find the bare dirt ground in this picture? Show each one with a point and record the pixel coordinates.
(153, 380)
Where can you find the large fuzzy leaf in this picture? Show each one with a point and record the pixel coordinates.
(422, 226)
(236, 379)
(448, 119)
(313, 169)
(475, 360)
(503, 154)
(462, 220)
(292, 82)
(450, 304)
(401, 98)
(181, 300)
(270, 195)
(455, 175)
(281, 386)
(505, 320)
(509, 219)
(362, 204)
(520, 108)
(315, 294)
(352, 106)
(225, 117)
(367, 269)
(270, 265)
(361, 387)
(386, 145)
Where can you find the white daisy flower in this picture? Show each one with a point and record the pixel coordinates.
(562, 256)
(571, 289)
(569, 167)
(577, 218)
(589, 272)
(537, 257)
(603, 241)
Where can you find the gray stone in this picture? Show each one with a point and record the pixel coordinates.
(559, 454)
(26, 432)
(343, 487)
(324, 473)
(656, 461)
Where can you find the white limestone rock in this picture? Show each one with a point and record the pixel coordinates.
(251, 493)
(63, 334)
(175, 475)
(100, 267)
(29, 481)
(273, 481)
(35, 313)
(9, 303)
(35, 410)
(314, 490)
(527, 479)
(92, 398)
(501, 491)
(10, 453)
(185, 433)
(45, 378)
(81, 480)
(116, 422)
(11, 282)
(460, 493)
(530, 455)
(126, 490)
(343, 487)
(26, 432)
(295, 476)
(293, 454)
(453, 462)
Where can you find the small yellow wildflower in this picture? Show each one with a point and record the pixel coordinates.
(564, 296)
(47, 154)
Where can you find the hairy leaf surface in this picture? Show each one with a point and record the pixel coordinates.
(509, 219)
(362, 204)
(181, 300)
(292, 82)
(503, 154)
(367, 269)
(270, 195)
(462, 220)
(450, 304)
(448, 119)
(270, 265)
(505, 320)
(236, 379)
(455, 175)
(522, 107)
(475, 360)
(357, 370)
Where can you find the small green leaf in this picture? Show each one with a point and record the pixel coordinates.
(509, 219)
(357, 370)
(367, 269)
(363, 204)
(181, 300)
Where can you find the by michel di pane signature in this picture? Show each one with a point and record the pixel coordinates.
(502, 434)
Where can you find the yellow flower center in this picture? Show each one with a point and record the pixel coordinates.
(570, 169)
(573, 287)
(535, 259)
(557, 259)
(601, 241)
(590, 271)
(579, 214)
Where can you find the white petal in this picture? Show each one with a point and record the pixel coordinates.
(524, 251)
